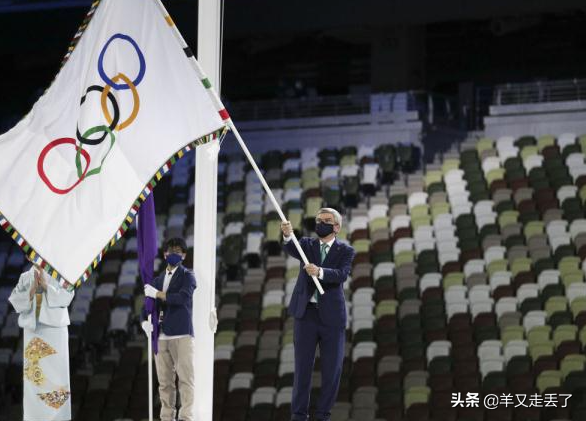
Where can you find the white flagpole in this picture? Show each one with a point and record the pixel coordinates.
(150, 363)
(205, 221)
(205, 212)
(272, 198)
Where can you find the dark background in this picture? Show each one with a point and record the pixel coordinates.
(274, 49)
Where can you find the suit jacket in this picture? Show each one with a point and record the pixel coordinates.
(336, 268)
(178, 307)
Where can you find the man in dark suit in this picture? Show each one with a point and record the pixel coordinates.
(319, 319)
(173, 291)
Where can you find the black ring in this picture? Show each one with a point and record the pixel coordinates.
(112, 98)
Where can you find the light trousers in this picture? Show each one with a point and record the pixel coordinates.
(175, 359)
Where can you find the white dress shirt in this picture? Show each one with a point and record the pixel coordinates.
(166, 282)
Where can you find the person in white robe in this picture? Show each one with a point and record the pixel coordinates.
(42, 306)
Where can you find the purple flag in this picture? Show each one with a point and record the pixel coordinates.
(147, 252)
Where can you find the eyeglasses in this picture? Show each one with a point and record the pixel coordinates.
(325, 221)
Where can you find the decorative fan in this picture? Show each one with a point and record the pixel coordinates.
(56, 398)
(37, 349)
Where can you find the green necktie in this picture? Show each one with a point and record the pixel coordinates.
(323, 253)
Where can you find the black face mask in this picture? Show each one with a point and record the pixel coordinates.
(323, 230)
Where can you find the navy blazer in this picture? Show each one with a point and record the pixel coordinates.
(336, 268)
(178, 307)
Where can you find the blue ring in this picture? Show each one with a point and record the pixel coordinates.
(109, 81)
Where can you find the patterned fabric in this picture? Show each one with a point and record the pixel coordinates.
(33, 373)
(56, 398)
(37, 349)
(38, 306)
(34, 352)
(46, 391)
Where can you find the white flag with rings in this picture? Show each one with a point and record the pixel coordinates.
(129, 100)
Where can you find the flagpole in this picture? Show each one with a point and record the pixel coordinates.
(150, 363)
(272, 198)
(205, 209)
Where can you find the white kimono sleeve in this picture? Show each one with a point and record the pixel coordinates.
(20, 297)
(57, 296)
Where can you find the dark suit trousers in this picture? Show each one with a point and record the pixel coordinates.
(309, 332)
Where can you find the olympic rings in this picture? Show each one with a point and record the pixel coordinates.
(43, 155)
(135, 108)
(141, 70)
(113, 121)
(83, 139)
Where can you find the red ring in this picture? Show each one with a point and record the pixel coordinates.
(41, 161)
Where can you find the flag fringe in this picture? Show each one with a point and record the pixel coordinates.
(127, 221)
(84, 24)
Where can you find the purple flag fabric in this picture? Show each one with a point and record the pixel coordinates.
(147, 253)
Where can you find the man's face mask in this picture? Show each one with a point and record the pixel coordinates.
(173, 259)
(323, 229)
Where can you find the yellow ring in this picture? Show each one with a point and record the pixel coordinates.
(135, 98)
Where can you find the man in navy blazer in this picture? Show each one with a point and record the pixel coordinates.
(173, 291)
(319, 319)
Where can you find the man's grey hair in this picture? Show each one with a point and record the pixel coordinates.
(337, 216)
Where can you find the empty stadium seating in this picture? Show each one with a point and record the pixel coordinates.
(469, 277)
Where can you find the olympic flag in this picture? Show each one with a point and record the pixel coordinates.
(128, 101)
